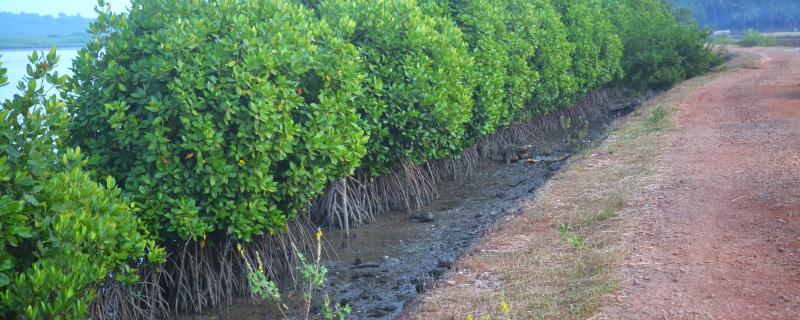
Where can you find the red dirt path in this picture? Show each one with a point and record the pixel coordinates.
(721, 240)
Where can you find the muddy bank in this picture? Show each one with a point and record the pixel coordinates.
(384, 265)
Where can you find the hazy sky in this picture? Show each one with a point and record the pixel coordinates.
(54, 7)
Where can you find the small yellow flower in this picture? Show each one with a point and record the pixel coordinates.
(319, 245)
(260, 264)
(469, 317)
(241, 161)
(504, 307)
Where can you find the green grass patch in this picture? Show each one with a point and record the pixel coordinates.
(567, 233)
(752, 38)
(657, 119)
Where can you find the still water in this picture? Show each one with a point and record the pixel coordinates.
(15, 61)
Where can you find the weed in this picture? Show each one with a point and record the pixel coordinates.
(338, 312)
(313, 274)
(574, 138)
(505, 308)
(605, 215)
(261, 287)
(657, 119)
(565, 122)
(566, 232)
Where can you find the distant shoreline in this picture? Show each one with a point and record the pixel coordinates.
(35, 42)
(75, 46)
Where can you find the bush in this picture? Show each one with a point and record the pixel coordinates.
(541, 64)
(218, 116)
(418, 94)
(752, 38)
(483, 25)
(598, 50)
(62, 233)
(658, 51)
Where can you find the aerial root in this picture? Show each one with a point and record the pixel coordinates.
(359, 199)
(595, 104)
(142, 300)
(197, 278)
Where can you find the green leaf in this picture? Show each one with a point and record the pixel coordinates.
(30, 199)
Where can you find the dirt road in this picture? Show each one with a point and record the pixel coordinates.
(690, 209)
(721, 239)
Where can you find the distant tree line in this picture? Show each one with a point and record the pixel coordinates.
(26, 30)
(745, 14)
(27, 24)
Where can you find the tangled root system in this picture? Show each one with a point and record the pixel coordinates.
(198, 277)
(360, 199)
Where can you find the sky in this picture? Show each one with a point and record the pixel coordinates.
(53, 7)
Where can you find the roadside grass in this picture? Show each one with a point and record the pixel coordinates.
(788, 34)
(752, 38)
(657, 120)
(562, 257)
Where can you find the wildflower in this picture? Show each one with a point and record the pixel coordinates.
(504, 307)
(260, 264)
(319, 245)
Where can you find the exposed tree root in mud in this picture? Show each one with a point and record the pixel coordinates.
(358, 200)
(596, 104)
(196, 277)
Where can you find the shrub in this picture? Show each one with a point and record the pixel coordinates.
(418, 95)
(483, 24)
(218, 116)
(541, 63)
(598, 50)
(752, 38)
(658, 51)
(62, 233)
